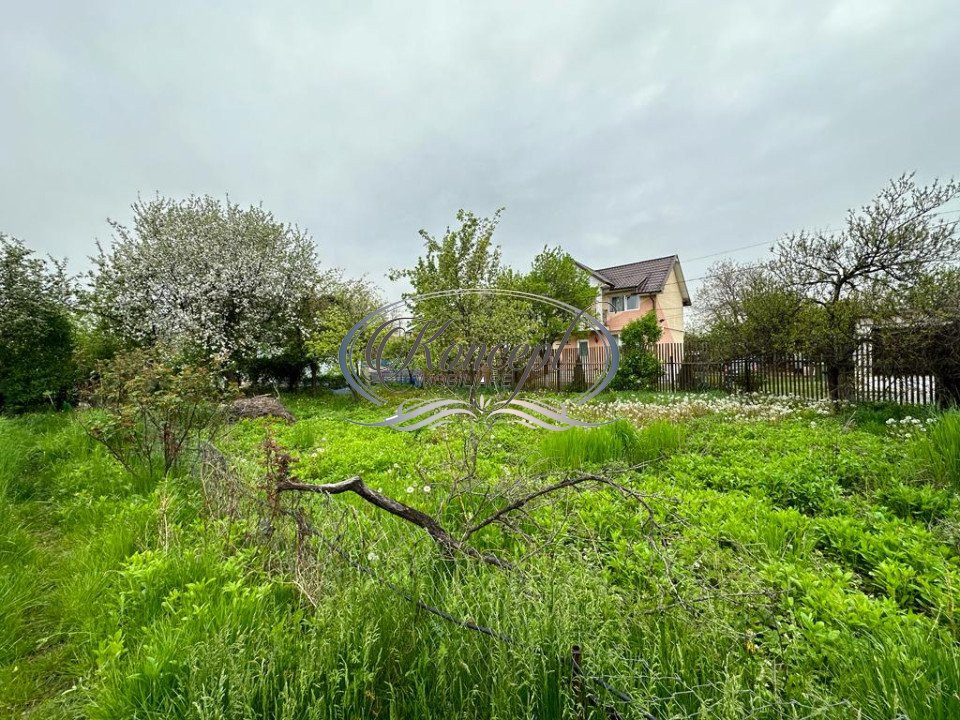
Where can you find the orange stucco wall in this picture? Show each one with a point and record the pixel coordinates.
(668, 304)
(617, 321)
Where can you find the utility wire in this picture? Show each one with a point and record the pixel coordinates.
(771, 243)
(757, 266)
(731, 250)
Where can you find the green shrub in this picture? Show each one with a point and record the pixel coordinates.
(617, 443)
(331, 381)
(286, 369)
(639, 367)
(94, 343)
(151, 411)
(36, 337)
(939, 449)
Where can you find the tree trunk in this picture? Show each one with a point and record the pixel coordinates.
(833, 383)
(579, 379)
(839, 382)
(948, 390)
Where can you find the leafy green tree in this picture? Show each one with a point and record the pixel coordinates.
(312, 343)
(466, 258)
(342, 305)
(885, 247)
(36, 334)
(555, 274)
(923, 336)
(748, 312)
(639, 366)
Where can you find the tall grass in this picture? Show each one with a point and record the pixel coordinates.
(939, 449)
(117, 602)
(619, 442)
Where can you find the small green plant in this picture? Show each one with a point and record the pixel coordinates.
(151, 410)
(939, 449)
(619, 442)
(639, 367)
(879, 418)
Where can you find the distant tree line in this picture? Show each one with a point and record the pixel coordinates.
(201, 281)
(197, 281)
(888, 275)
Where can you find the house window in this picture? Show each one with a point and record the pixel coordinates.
(583, 346)
(633, 302)
(616, 303)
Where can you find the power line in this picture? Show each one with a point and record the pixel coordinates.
(757, 266)
(731, 250)
(771, 243)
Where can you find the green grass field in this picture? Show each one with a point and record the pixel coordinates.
(787, 563)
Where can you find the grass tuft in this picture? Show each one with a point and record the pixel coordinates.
(619, 443)
(939, 449)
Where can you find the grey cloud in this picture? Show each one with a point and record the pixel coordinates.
(619, 130)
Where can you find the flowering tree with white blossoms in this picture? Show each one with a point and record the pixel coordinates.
(209, 277)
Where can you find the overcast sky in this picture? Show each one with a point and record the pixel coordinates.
(619, 130)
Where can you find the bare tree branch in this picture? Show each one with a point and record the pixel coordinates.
(566, 483)
(399, 509)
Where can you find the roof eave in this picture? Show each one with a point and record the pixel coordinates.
(681, 282)
(593, 272)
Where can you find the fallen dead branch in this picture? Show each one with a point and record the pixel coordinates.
(499, 515)
(421, 519)
(280, 481)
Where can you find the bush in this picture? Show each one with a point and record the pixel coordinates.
(36, 338)
(152, 411)
(94, 344)
(331, 381)
(939, 449)
(639, 367)
(285, 369)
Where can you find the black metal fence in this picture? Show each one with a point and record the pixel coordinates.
(691, 367)
(577, 369)
(694, 367)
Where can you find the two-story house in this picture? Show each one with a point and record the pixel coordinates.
(628, 292)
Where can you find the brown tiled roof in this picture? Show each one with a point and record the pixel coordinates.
(645, 276)
(650, 276)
